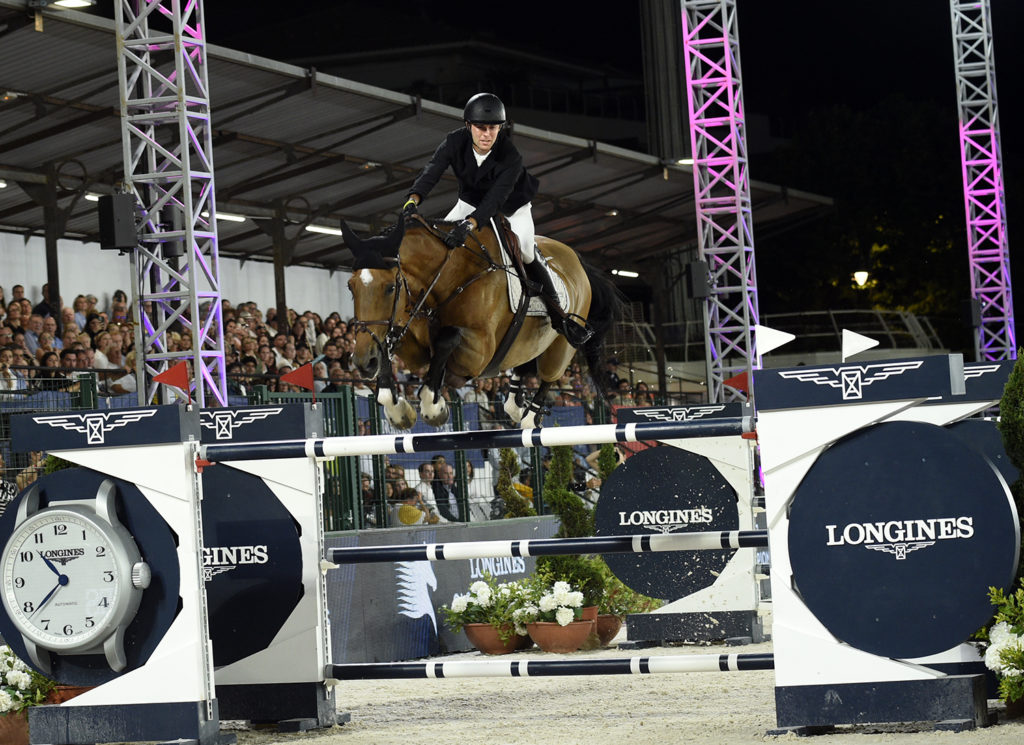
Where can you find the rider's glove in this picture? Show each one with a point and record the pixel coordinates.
(457, 236)
(409, 208)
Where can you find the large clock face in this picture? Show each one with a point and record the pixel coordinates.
(64, 580)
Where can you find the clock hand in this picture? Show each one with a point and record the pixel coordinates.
(63, 580)
(49, 563)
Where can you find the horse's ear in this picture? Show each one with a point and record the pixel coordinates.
(379, 252)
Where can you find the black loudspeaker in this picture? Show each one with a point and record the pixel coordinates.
(697, 285)
(117, 222)
(970, 313)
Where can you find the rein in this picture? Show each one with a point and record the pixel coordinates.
(395, 332)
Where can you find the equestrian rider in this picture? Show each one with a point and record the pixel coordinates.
(492, 179)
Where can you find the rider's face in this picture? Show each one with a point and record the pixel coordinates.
(484, 136)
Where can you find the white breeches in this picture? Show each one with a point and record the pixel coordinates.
(521, 221)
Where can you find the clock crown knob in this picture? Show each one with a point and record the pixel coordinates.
(141, 575)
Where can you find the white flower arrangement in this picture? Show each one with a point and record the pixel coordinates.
(20, 687)
(1005, 653)
(487, 601)
(559, 603)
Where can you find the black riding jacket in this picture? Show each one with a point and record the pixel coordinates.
(501, 184)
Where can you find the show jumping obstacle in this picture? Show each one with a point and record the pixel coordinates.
(831, 430)
(593, 434)
(698, 663)
(617, 544)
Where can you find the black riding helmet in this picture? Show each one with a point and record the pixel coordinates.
(484, 108)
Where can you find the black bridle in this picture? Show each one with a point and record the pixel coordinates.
(395, 331)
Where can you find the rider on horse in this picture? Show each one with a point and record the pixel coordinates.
(492, 179)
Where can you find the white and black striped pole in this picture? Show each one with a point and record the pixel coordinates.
(612, 544)
(590, 434)
(696, 663)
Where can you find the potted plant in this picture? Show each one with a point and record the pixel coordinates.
(1005, 653)
(485, 613)
(617, 601)
(20, 688)
(552, 615)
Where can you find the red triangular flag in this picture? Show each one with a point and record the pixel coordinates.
(176, 376)
(739, 382)
(300, 376)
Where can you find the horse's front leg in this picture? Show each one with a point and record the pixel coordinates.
(433, 407)
(398, 410)
(515, 403)
(535, 409)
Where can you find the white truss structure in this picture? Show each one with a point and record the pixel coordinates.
(984, 198)
(722, 189)
(168, 165)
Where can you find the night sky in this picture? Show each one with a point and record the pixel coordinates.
(806, 64)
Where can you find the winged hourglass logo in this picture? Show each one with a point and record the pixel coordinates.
(94, 425)
(852, 379)
(224, 423)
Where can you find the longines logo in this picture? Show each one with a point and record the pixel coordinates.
(665, 521)
(497, 567)
(94, 426)
(679, 413)
(900, 537)
(220, 559)
(63, 555)
(224, 423)
(851, 378)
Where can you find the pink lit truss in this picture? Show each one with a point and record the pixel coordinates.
(168, 165)
(984, 199)
(722, 188)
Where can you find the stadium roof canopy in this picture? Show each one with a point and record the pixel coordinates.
(286, 136)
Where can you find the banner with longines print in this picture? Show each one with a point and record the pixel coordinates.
(389, 612)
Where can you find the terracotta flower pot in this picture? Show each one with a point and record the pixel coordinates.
(62, 693)
(1015, 709)
(607, 627)
(485, 637)
(552, 637)
(14, 728)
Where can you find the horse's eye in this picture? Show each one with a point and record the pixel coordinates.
(390, 289)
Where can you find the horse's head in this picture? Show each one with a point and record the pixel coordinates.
(377, 295)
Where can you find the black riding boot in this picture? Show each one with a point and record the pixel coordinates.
(562, 322)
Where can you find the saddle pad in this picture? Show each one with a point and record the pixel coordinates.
(515, 288)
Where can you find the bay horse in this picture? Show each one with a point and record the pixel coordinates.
(447, 309)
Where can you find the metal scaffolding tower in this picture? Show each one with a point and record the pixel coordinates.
(984, 199)
(168, 165)
(722, 189)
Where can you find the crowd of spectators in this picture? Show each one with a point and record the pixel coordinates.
(45, 343)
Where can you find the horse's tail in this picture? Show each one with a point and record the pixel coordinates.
(606, 307)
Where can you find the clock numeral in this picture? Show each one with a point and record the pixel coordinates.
(46, 623)
(37, 538)
(19, 582)
(68, 631)
(108, 576)
(104, 602)
(89, 623)
(101, 550)
(28, 606)
(26, 556)
(60, 529)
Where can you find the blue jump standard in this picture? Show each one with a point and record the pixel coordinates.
(593, 434)
(615, 544)
(695, 663)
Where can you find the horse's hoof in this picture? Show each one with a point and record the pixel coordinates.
(438, 418)
(402, 415)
